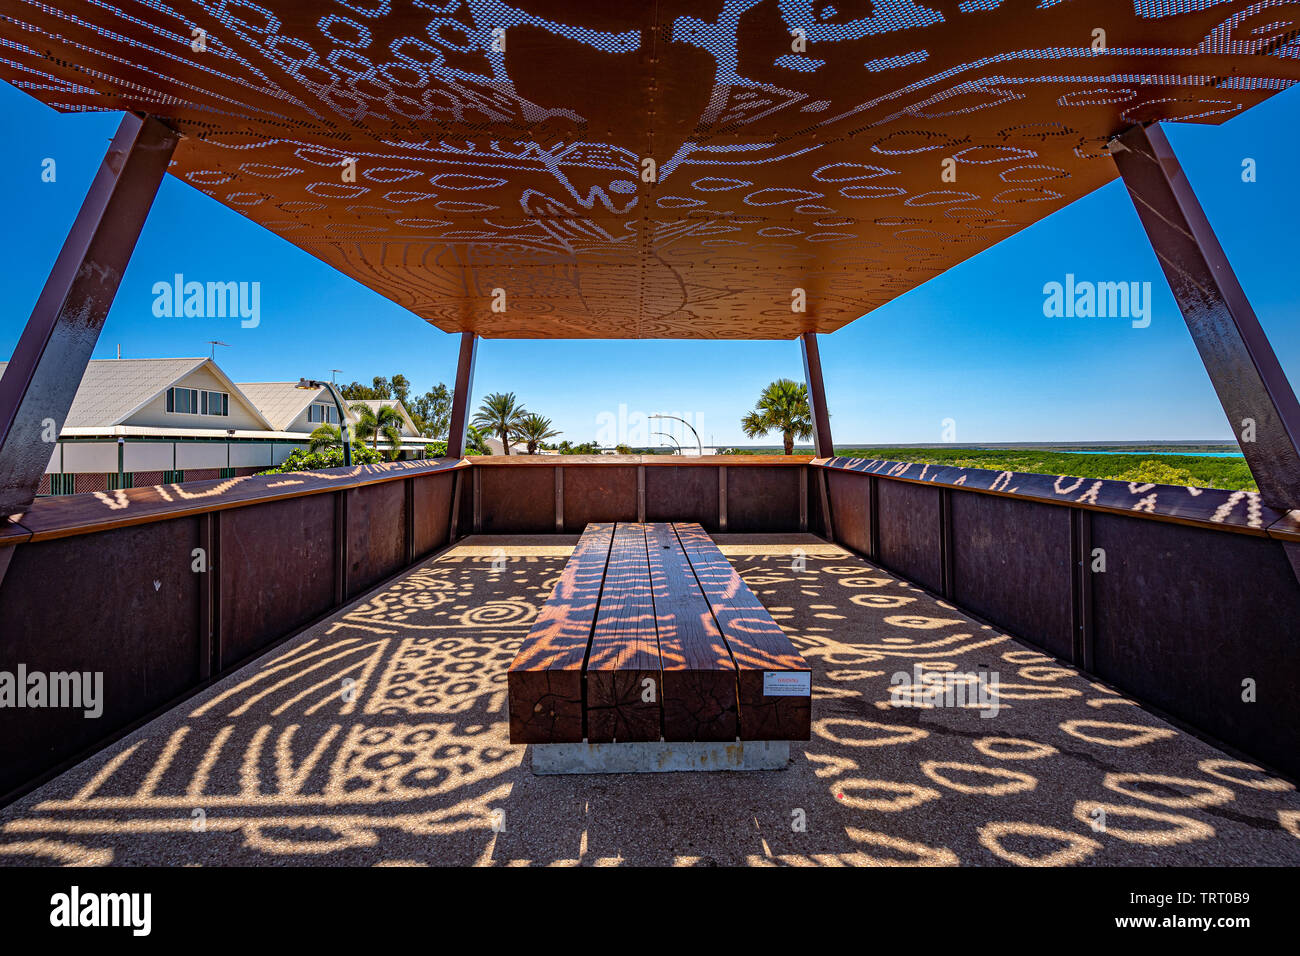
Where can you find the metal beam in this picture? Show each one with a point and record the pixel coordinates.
(812, 374)
(460, 397)
(47, 366)
(1250, 383)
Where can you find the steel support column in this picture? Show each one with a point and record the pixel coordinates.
(812, 374)
(1250, 383)
(47, 366)
(460, 397)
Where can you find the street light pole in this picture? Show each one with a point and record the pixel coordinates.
(698, 446)
(343, 417)
(344, 432)
(671, 439)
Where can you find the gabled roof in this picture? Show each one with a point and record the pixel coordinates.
(377, 403)
(112, 390)
(281, 402)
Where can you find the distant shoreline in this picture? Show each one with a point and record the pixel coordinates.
(1224, 449)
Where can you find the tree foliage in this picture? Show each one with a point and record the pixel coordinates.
(501, 415)
(302, 460)
(534, 431)
(475, 442)
(782, 407)
(431, 411)
(372, 423)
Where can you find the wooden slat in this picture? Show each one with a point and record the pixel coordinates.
(623, 670)
(699, 677)
(758, 645)
(544, 684)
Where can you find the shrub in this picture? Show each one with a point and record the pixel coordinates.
(303, 460)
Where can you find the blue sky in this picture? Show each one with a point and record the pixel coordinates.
(971, 345)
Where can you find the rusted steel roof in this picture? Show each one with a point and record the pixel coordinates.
(797, 144)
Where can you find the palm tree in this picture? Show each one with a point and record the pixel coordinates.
(782, 407)
(535, 429)
(386, 420)
(501, 414)
(324, 438)
(476, 442)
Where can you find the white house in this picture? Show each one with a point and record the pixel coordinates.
(407, 429)
(301, 411)
(136, 422)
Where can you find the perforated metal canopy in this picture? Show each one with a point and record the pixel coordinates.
(846, 148)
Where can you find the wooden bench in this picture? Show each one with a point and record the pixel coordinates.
(650, 634)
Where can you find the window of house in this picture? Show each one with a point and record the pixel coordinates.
(194, 401)
(322, 412)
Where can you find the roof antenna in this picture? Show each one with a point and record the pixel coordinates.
(214, 343)
(119, 351)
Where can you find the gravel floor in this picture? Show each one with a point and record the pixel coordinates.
(379, 738)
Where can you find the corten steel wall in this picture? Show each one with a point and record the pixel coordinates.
(538, 494)
(100, 583)
(1197, 594)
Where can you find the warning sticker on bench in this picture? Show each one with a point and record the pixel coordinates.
(787, 684)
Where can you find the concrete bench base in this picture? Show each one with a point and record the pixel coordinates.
(660, 756)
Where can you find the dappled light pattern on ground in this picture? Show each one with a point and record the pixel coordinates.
(379, 737)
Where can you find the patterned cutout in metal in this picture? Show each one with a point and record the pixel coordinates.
(777, 168)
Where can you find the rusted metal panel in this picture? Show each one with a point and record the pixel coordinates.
(431, 521)
(457, 494)
(1081, 612)
(276, 571)
(761, 500)
(522, 171)
(722, 498)
(803, 499)
(1184, 617)
(598, 494)
(122, 603)
(77, 514)
(519, 500)
(1240, 511)
(816, 506)
(376, 524)
(686, 493)
(909, 532)
(1012, 564)
(850, 497)
(209, 594)
(476, 500)
(827, 513)
(559, 500)
(465, 511)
